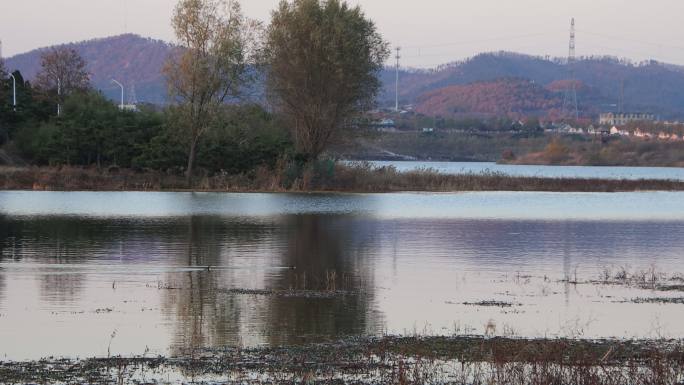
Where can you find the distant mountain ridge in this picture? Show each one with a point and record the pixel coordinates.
(131, 59)
(649, 87)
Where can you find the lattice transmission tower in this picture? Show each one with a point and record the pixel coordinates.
(396, 84)
(570, 104)
(132, 97)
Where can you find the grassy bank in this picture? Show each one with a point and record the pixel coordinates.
(389, 360)
(360, 178)
(443, 146)
(514, 148)
(579, 151)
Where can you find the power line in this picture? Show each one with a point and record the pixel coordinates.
(465, 42)
(631, 40)
(652, 55)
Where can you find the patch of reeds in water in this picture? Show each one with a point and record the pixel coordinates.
(388, 360)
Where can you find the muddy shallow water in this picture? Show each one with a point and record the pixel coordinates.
(97, 274)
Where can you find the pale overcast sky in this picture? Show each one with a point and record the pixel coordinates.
(432, 32)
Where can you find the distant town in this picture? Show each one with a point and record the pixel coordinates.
(627, 124)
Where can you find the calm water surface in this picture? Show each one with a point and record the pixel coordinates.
(87, 274)
(666, 173)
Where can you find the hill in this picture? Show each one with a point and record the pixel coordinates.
(513, 97)
(649, 86)
(130, 59)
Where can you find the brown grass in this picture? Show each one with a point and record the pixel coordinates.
(389, 360)
(343, 178)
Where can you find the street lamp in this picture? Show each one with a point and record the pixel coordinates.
(121, 107)
(14, 90)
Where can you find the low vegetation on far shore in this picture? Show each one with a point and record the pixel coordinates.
(323, 176)
(581, 151)
(523, 148)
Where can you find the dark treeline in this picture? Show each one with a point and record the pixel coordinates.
(208, 127)
(93, 131)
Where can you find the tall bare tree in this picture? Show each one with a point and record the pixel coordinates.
(3, 71)
(323, 60)
(4, 82)
(64, 69)
(210, 66)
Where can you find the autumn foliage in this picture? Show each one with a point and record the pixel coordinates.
(515, 98)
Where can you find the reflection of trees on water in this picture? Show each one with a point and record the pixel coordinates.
(202, 314)
(2, 288)
(53, 241)
(332, 252)
(6, 242)
(191, 299)
(208, 316)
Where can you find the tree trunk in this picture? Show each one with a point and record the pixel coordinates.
(191, 162)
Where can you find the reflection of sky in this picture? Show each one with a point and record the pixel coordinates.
(638, 206)
(416, 258)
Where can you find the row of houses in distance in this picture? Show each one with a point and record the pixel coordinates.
(621, 119)
(639, 133)
(627, 125)
(615, 131)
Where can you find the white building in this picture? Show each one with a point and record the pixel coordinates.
(620, 119)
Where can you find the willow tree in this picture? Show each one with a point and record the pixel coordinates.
(210, 66)
(323, 62)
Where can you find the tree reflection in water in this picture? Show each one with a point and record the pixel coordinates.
(273, 256)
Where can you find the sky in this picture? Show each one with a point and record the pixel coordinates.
(430, 32)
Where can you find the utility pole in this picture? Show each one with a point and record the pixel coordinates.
(59, 97)
(396, 84)
(121, 106)
(621, 104)
(14, 91)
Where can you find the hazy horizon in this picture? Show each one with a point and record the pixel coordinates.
(430, 35)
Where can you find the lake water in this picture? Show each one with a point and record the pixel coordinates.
(92, 274)
(667, 173)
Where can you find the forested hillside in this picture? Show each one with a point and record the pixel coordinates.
(130, 59)
(515, 98)
(650, 86)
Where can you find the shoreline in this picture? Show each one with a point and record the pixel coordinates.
(361, 178)
(381, 360)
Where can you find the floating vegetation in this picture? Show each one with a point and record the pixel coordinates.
(663, 300)
(670, 288)
(291, 293)
(492, 304)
